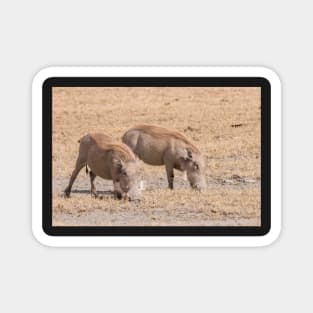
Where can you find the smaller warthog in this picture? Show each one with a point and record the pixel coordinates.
(160, 146)
(109, 160)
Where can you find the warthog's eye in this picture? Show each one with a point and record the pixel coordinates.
(195, 166)
(124, 173)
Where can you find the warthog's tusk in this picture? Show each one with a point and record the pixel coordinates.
(142, 185)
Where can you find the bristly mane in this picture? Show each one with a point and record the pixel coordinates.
(107, 143)
(161, 132)
(125, 153)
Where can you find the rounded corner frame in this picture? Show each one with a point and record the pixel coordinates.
(46, 238)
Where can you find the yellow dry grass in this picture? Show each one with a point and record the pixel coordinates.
(224, 123)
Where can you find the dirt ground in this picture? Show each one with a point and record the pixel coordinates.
(223, 122)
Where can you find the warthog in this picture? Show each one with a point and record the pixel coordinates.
(159, 146)
(109, 160)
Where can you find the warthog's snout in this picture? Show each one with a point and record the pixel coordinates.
(134, 195)
(199, 186)
(134, 199)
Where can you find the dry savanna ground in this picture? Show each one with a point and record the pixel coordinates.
(223, 122)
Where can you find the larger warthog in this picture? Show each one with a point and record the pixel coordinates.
(109, 160)
(159, 146)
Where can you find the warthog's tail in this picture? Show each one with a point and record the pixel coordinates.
(87, 171)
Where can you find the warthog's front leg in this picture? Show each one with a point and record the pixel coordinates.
(117, 190)
(93, 187)
(170, 174)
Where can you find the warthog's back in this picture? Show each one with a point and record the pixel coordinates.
(163, 134)
(151, 142)
(99, 138)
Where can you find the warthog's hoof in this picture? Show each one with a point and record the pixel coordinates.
(118, 195)
(94, 194)
(67, 193)
(134, 200)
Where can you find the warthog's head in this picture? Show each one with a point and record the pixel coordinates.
(195, 166)
(129, 178)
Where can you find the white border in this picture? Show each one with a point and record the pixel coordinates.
(160, 241)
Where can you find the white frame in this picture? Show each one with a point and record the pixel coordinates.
(156, 241)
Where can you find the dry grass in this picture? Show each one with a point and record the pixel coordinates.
(223, 122)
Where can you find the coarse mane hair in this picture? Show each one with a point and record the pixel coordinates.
(125, 153)
(161, 132)
(107, 143)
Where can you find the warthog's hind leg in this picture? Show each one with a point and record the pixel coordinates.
(79, 166)
(93, 187)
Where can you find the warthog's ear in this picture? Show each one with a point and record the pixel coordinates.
(185, 154)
